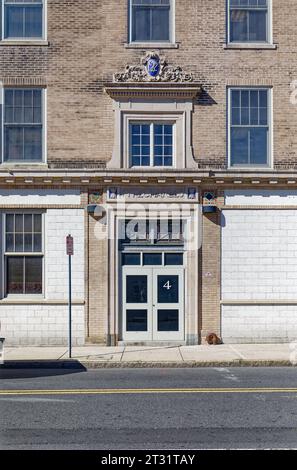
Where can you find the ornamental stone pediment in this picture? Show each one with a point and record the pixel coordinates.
(152, 68)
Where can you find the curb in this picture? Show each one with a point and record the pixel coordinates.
(84, 365)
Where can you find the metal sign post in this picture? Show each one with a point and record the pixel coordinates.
(70, 252)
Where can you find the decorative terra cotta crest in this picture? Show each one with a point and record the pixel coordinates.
(153, 68)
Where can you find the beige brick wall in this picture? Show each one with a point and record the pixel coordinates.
(86, 46)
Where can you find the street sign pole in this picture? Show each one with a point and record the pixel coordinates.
(69, 250)
(70, 310)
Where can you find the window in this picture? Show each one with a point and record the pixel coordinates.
(150, 20)
(151, 144)
(22, 19)
(250, 127)
(23, 253)
(249, 20)
(23, 125)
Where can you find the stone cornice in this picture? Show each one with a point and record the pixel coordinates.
(118, 91)
(93, 177)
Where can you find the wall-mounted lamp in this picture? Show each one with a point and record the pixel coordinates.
(96, 210)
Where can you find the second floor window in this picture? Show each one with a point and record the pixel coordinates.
(151, 144)
(23, 19)
(150, 20)
(249, 131)
(248, 20)
(23, 125)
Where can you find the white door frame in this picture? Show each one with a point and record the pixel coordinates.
(152, 305)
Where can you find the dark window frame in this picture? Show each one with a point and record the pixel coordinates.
(22, 254)
(25, 6)
(268, 126)
(144, 4)
(10, 124)
(249, 8)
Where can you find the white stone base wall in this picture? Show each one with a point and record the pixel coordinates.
(259, 323)
(43, 320)
(259, 267)
(41, 325)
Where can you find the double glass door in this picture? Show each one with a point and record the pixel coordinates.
(153, 303)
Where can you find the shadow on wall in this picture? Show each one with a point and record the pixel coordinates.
(204, 99)
(217, 218)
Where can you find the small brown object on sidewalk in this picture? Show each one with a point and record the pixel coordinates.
(212, 338)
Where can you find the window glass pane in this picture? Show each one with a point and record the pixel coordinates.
(33, 275)
(239, 146)
(168, 320)
(37, 222)
(15, 275)
(238, 26)
(32, 143)
(174, 259)
(37, 243)
(136, 289)
(28, 246)
(136, 320)
(23, 21)
(160, 24)
(19, 223)
(9, 223)
(257, 26)
(9, 242)
(151, 259)
(168, 289)
(130, 259)
(33, 22)
(14, 22)
(141, 24)
(13, 141)
(28, 221)
(258, 146)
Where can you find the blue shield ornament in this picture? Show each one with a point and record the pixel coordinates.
(153, 67)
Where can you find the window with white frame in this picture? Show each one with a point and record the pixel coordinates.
(150, 20)
(22, 125)
(151, 144)
(250, 127)
(23, 253)
(249, 21)
(22, 19)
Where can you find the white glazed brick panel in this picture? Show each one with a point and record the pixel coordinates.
(261, 198)
(41, 325)
(259, 323)
(58, 224)
(39, 196)
(259, 255)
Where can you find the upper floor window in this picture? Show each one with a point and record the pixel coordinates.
(151, 144)
(250, 127)
(22, 19)
(150, 20)
(249, 21)
(23, 253)
(22, 125)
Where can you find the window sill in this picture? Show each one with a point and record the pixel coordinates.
(24, 42)
(151, 45)
(255, 46)
(250, 168)
(17, 165)
(38, 300)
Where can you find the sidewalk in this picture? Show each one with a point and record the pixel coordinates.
(224, 355)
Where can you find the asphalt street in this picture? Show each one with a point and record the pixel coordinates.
(206, 408)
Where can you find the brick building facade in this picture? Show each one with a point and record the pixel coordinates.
(118, 112)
